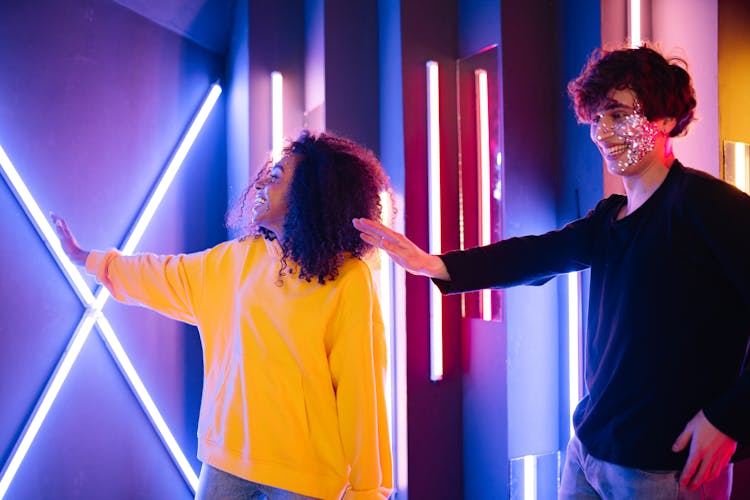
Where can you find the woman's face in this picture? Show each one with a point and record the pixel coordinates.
(623, 134)
(271, 195)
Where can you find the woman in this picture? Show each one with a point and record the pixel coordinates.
(293, 403)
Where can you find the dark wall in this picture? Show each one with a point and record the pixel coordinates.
(531, 166)
(276, 41)
(429, 32)
(352, 104)
(93, 99)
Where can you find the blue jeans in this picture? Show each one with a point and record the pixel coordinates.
(586, 477)
(215, 484)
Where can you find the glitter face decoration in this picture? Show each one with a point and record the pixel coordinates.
(624, 136)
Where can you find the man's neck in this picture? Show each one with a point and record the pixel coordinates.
(639, 188)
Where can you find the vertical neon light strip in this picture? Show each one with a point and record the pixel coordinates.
(277, 115)
(635, 23)
(433, 181)
(385, 286)
(95, 305)
(574, 332)
(741, 167)
(485, 200)
(529, 477)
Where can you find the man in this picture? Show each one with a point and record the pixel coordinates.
(669, 315)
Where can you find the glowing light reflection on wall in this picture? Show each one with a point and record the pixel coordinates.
(435, 244)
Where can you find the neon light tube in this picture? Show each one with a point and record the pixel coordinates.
(529, 477)
(49, 236)
(169, 173)
(485, 200)
(277, 115)
(385, 287)
(146, 402)
(435, 243)
(45, 402)
(574, 330)
(95, 305)
(635, 23)
(740, 166)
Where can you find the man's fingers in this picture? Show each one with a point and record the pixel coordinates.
(376, 234)
(715, 470)
(688, 471)
(369, 239)
(700, 476)
(682, 441)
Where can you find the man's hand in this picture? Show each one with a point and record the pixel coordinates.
(70, 246)
(402, 250)
(710, 451)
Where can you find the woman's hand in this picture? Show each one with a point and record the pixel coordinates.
(69, 244)
(402, 250)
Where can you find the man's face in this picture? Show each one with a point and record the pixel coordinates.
(622, 133)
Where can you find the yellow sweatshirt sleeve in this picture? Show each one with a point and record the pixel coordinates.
(167, 284)
(358, 363)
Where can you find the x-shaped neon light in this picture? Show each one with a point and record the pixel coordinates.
(94, 303)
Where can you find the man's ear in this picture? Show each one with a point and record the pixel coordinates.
(666, 125)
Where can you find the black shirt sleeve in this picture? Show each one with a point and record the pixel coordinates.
(722, 216)
(528, 260)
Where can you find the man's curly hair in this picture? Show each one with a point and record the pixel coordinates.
(335, 181)
(663, 86)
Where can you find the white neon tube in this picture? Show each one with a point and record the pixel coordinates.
(435, 237)
(529, 477)
(574, 330)
(37, 217)
(169, 173)
(485, 191)
(635, 23)
(385, 286)
(45, 402)
(401, 441)
(740, 167)
(277, 115)
(146, 401)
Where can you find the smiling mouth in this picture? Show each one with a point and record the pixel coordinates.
(614, 151)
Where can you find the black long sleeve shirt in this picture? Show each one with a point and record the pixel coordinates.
(669, 312)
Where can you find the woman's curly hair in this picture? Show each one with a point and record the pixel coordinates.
(663, 86)
(335, 181)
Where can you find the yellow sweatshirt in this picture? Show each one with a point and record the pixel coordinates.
(293, 387)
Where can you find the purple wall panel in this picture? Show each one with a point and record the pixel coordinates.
(93, 99)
